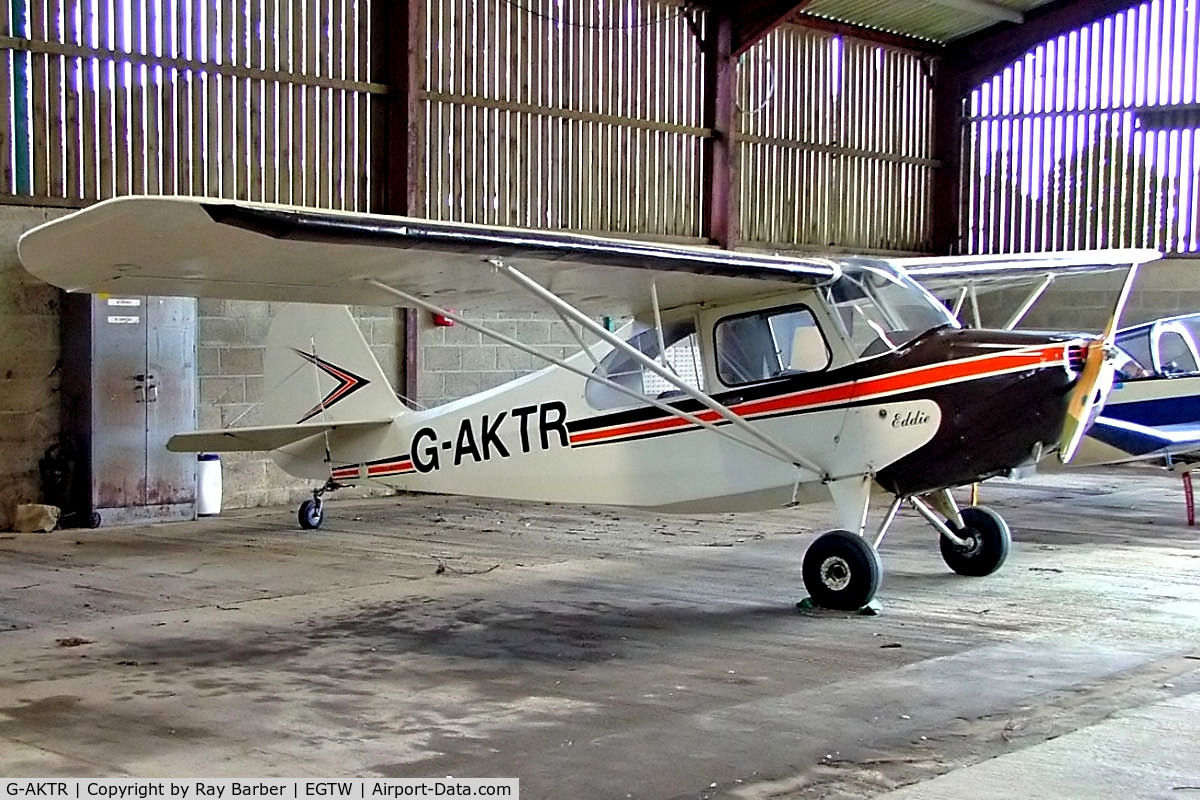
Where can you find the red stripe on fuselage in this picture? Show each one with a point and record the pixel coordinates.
(881, 386)
(374, 470)
(390, 468)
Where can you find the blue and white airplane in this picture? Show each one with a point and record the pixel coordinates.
(1153, 410)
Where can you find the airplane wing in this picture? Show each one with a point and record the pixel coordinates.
(266, 437)
(1129, 441)
(955, 279)
(945, 274)
(212, 248)
(1147, 418)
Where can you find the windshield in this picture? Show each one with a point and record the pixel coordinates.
(881, 309)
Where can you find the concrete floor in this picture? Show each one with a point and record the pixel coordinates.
(596, 653)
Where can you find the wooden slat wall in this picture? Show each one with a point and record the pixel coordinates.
(10, 64)
(835, 143)
(1091, 140)
(253, 99)
(564, 115)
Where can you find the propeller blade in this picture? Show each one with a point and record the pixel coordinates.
(1095, 380)
(1087, 398)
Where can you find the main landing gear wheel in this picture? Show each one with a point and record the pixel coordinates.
(311, 514)
(841, 571)
(988, 541)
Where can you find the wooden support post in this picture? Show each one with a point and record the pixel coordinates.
(720, 155)
(397, 145)
(947, 150)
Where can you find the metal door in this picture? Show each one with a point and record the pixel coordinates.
(118, 446)
(143, 377)
(170, 390)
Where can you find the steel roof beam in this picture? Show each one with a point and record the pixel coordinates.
(983, 54)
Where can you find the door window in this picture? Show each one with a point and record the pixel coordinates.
(1137, 344)
(769, 344)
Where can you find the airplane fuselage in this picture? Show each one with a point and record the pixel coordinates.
(934, 414)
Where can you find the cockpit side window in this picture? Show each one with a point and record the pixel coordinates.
(1175, 355)
(769, 344)
(682, 357)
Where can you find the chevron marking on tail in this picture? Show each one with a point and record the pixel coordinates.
(347, 383)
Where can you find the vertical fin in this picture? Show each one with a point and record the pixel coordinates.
(319, 368)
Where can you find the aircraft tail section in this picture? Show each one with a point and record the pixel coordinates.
(320, 370)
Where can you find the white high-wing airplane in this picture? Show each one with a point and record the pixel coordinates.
(745, 381)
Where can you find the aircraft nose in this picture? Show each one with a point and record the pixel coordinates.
(1087, 398)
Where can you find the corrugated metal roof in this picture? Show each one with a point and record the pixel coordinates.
(938, 21)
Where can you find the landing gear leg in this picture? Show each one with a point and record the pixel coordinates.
(842, 570)
(312, 512)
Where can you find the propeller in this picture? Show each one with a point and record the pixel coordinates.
(1095, 379)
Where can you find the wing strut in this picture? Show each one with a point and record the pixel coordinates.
(1033, 297)
(554, 301)
(958, 304)
(658, 329)
(577, 335)
(772, 451)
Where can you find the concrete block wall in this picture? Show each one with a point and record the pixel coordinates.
(231, 353)
(29, 365)
(456, 361)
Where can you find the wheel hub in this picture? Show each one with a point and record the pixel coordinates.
(835, 573)
(971, 543)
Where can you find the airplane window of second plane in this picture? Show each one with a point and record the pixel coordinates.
(1175, 354)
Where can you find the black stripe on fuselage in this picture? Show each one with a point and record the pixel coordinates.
(935, 347)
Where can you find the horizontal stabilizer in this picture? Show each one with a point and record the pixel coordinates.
(266, 437)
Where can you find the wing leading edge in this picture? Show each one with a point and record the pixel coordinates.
(212, 248)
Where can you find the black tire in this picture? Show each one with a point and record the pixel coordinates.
(311, 515)
(841, 571)
(988, 543)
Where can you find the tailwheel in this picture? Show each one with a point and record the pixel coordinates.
(841, 571)
(311, 514)
(986, 543)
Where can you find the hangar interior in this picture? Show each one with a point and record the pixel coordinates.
(948, 126)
